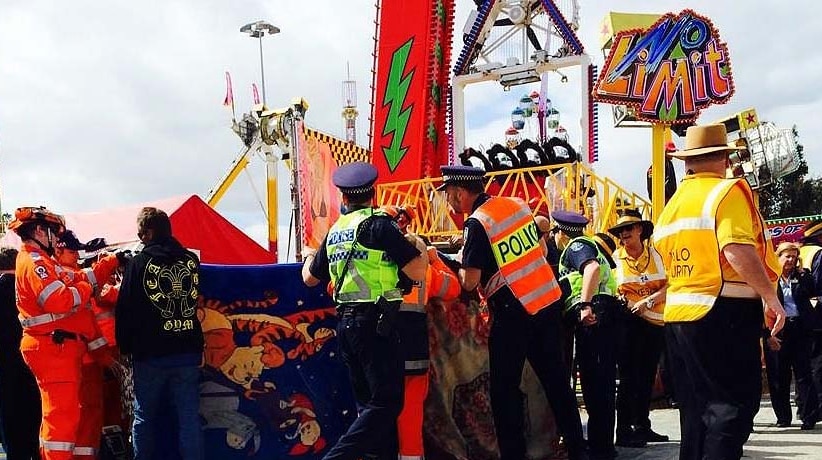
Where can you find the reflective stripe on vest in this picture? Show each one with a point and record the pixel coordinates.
(97, 343)
(445, 285)
(85, 451)
(607, 282)
(515, 244)
(51, 288)
(63, 446)
(686, 239)
(414, 302)
(92, 278)
(370, 273)
(417, 364)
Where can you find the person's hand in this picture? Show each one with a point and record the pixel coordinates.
(640, 305)
(587, 316)
(775, 306)
(456, 241)
(308, 252)
(774, 343)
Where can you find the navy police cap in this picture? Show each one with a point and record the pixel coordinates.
(354, 178)
(568, 221)
(460, 175)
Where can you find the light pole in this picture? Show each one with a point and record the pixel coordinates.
(258, 30)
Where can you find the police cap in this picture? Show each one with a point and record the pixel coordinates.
(68, 240)
(570, 222)
(355, 178)
(460, 175)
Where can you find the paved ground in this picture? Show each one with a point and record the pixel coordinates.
(766, 442)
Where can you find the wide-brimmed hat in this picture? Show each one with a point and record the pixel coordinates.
(627, 221)
(700, 140)
(607, 245)
(787, 246)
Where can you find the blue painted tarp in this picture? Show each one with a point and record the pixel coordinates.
(273, 385)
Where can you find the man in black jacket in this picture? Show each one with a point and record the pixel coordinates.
(790, 348)
(156, 324)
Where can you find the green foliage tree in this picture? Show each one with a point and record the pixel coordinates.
(793, 195)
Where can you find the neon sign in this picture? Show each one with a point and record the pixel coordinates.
(669, 72)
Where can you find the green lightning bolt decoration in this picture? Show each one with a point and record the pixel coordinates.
(396, 92)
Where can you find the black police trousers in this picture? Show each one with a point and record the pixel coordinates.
(717, 373)
(375, 367)
(19, 406)
(516, 336)
(596, 355)
(641, 345)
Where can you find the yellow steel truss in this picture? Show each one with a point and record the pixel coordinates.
(573, 187)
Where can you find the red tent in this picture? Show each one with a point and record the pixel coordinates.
(195, 224)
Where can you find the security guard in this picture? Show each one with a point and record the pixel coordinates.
(721, 267)
(641, 282)
(585, 271)
(504, 255)
(366, 256)
(56, 328)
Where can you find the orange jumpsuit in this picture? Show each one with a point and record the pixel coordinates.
(56, 327)
(100, 355)
(440, 282)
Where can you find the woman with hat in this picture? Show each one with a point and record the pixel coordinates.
(721, 270)
(641, 281)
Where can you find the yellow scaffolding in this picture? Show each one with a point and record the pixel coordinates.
(572, 186)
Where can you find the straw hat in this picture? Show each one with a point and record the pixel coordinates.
(700, 140)
(786, 246)
(628, 220)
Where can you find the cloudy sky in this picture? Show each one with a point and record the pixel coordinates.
(106, 103)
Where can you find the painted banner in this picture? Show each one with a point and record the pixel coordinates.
(409, 89)
(319, 200)
(669, 72)
(319, 156)
(273, 385)
(788, 229)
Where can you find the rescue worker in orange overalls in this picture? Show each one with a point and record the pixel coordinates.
(440, 282)
(57, 327)
(101, 352)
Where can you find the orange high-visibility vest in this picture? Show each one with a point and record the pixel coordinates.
(515, 243)
(46, 301)
(685, 237)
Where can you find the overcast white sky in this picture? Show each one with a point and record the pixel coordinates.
(105, 103)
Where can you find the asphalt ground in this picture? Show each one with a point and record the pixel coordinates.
(766, 442)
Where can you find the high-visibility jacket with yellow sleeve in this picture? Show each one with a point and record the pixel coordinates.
(686, 238)
(637, 279)
(515, 244)
(46, 300)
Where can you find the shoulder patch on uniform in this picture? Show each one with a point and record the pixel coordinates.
(576, 246)
(465, 234)
(41, 271)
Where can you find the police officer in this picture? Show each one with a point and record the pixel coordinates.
(504, 255)
(721, 267)
(365, 256)
(585, 271)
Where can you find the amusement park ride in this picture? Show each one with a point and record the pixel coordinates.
(417, 119)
